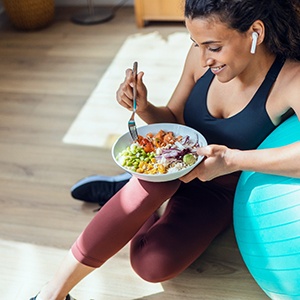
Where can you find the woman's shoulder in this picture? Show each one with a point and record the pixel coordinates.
(289, 83)
(290, 75)
(193, 63)
(292, 68)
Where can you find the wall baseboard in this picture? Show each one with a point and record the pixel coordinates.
(96, 2)
(83, 2)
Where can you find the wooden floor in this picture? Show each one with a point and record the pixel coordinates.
(45, 78)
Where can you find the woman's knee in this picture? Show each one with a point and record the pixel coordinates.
(155, 268)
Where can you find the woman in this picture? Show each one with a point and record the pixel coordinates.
(240, 80)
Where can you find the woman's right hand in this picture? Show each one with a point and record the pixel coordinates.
(124, 94)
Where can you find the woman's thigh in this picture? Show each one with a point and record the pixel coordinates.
(194, 216)
(119, 219)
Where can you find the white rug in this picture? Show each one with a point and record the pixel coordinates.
(102, 120)
(26, 268)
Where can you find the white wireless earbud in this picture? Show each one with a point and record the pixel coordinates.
(254, 42)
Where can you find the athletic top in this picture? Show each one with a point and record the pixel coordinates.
(246, 129)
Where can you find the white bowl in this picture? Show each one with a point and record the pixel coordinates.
(125, 140)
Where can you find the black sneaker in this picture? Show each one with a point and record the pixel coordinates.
(97, 188)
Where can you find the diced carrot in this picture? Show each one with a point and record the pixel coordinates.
(147, 145)
(149, 135)
(169, 138)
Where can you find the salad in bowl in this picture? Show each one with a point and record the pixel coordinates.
(162, 152)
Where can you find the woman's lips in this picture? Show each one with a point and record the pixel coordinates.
(217, 70)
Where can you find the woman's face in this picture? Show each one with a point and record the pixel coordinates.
(225, 51)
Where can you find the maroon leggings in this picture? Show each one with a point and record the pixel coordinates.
(162, 247)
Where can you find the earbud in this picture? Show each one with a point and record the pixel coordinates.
(254, 42)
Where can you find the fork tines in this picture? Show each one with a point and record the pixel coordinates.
(132, 129)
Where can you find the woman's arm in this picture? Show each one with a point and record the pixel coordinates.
(283, 161)
(220, 160)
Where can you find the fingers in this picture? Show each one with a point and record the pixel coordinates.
(124, 94)
(190, 176)
(139, 80)
(204, 151)
(187, 178)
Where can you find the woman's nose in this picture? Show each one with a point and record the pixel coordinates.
(207, 62)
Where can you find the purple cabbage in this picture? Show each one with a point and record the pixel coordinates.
(176, 152)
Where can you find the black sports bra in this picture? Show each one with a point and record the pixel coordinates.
(245, 130)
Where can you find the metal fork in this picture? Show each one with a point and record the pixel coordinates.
(131, 122)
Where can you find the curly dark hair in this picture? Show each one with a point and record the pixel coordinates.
(280, 17)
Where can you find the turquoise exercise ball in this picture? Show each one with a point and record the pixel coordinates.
(267, 222)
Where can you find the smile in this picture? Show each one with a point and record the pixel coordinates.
(216, 70)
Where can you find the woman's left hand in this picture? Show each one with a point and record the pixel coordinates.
(213, 165)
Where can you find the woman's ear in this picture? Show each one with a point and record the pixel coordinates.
(257, 33)
(259, 27)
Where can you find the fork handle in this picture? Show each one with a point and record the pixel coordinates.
(134, 73)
